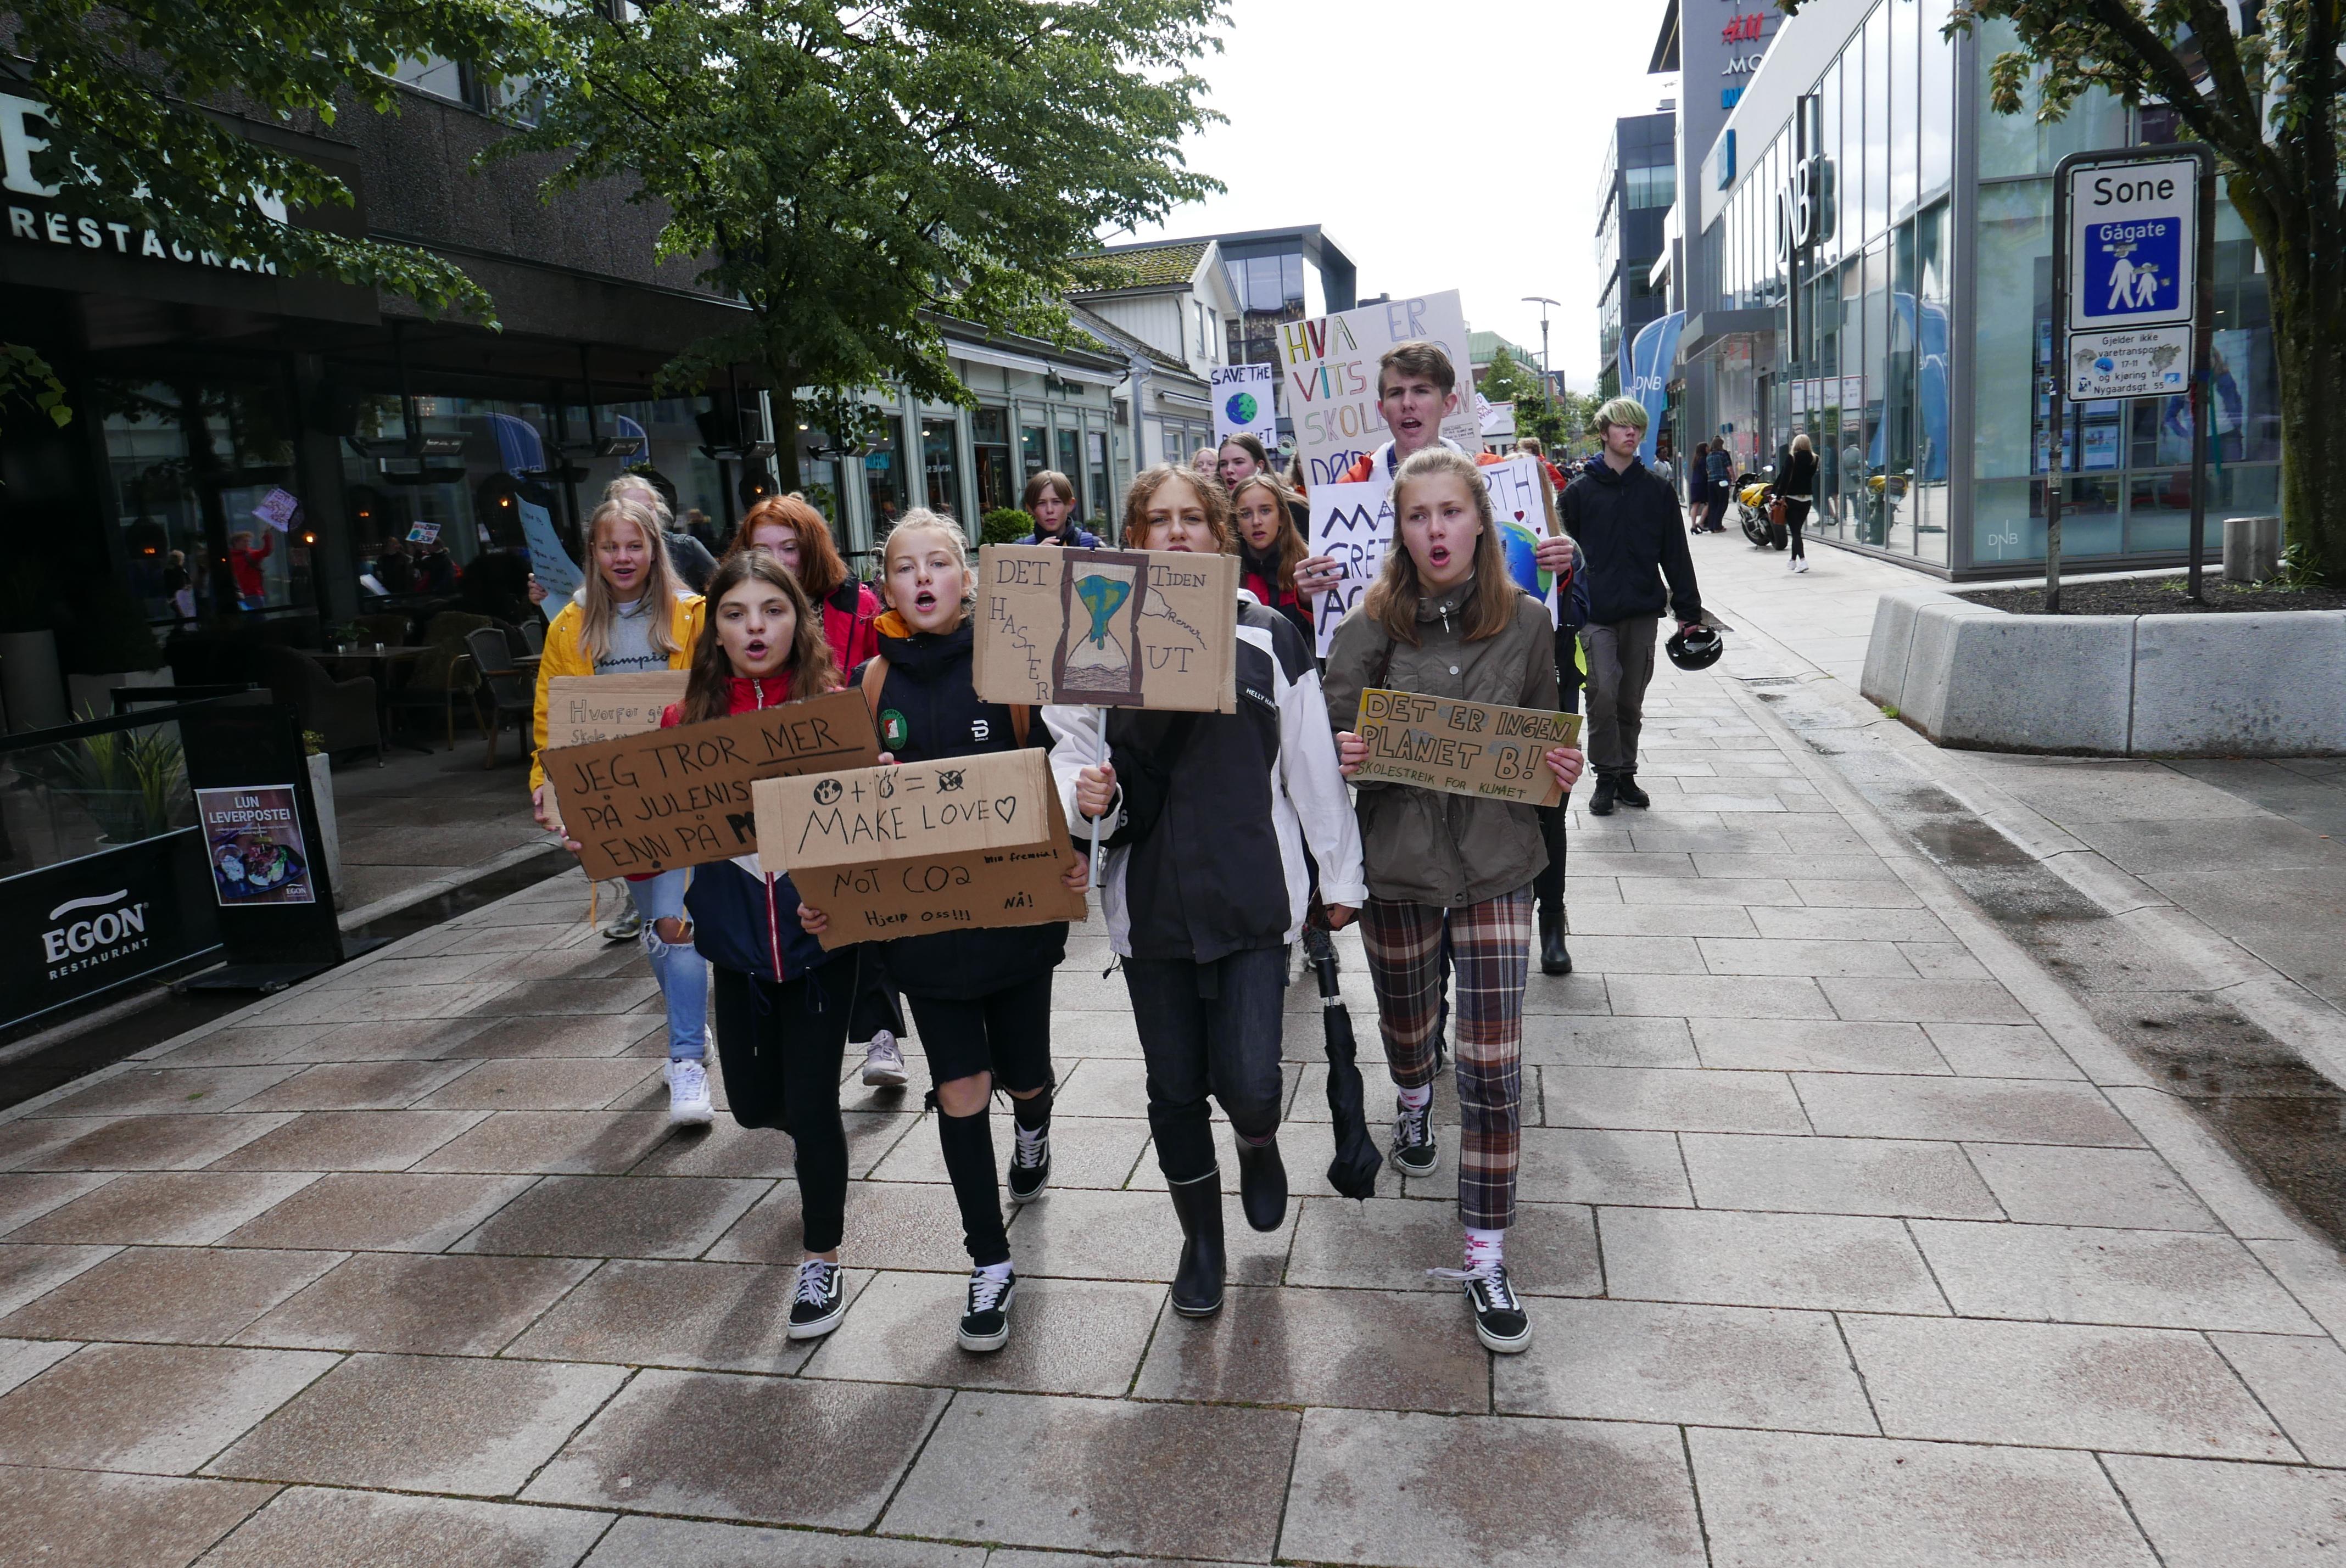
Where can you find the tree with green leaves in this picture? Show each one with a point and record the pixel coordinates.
(851, 173)
(2269, 101)
(145, 98)
(1538, 414)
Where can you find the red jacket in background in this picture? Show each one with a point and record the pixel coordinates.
(244, 565)
(850, 618)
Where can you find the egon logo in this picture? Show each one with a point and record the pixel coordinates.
(100, 938)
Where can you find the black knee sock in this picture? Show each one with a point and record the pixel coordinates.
(1033, 1112)
(968, 1144)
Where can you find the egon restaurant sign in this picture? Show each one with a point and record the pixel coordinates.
(74, 929)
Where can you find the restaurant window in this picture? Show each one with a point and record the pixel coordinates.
(999, 484)
(883, 480)
(819, 479)
(1071, 463)
(941, 465)
(1104, 508)
(1034, 451)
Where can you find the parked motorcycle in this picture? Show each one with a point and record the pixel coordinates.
(1751, 511)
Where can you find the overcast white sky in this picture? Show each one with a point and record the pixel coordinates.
(1329, 124)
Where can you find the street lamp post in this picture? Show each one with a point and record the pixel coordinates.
(1542, 301)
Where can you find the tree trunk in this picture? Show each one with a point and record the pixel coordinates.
(2308, 330)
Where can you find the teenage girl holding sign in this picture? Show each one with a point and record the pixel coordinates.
(633, 614)
(1443, 618)
(980, 999)
(1207, 816)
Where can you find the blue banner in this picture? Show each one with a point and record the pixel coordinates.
(1646, 367)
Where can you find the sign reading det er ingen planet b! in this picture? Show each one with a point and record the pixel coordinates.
(666, 797)
(952, 845)
(1462, 748)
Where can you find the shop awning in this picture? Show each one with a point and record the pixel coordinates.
(1033, 364)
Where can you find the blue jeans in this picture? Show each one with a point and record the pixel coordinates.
(682, 974)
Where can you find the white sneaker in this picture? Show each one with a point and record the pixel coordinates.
(1802, 564)
(883, 1061)
(687, 1094)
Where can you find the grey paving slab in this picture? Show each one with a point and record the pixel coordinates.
(1068, 1335)
(616, 1217)
(1823, 1261)
(2077, 1274)
(907, 1225)
(1700, 1366)
(313, 1527)
(1374, 1350)
(1771, 1499)
(1604, 1042)
(357, 1087)
(1387, 1244)
(2059, 1385)
(636, 1542)
(2301, 1381)
(1923, 1000)
(185, 1295)
(1943, 961)
(380, 1212)
(1636, 954)
(1085, 1151)
(162, 1092)
(2000, 1050)
(128, 1143)
(184, 1209)
(2201, 1514)
(419, 1304)
(1595, 1164)
(1747, 892)
(349, 1141)
(73, 1516)
(1644, 919)
(1827, 924)
(164, 1409)
(1386, 1489)
(544, 1084)
(1988, 1110)
(2116, 1189)
(1662, 1099)
(1798, 955)
(467, 1424)
(1080, 1235)
(572, 1143)
(1836, 1175)
(1814, 1045)
(1716, 997)
(720, 1317)
(1035, 1470)
(2314, 1273)
(27, 1195)
(24, 1358)
(27, 1272)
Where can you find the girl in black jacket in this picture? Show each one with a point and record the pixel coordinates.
(981, 1000)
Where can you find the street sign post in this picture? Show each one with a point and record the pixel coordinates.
(2134, 239)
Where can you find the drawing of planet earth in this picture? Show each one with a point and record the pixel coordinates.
(1102, 598)
(1243, 408)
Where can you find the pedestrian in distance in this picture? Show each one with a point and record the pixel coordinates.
(1240, 456)
(1270, 546)
(244, 567)
(631, 615)
(1626, 523)
(1697, 487)
(795, 533)
(780, 1001)
(1445, 619)
(1796, 487)
(1050, 500)
(1207, 463)
(1549, 887)
(1208, 818)
(690, 559)
(981, 998)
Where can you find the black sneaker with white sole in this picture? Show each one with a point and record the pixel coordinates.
(1500, 1321)
(985, 1321)
(820, 1301)
(1030, 1163)
(1414, 1152)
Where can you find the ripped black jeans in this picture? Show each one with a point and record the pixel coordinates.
(781, 1049)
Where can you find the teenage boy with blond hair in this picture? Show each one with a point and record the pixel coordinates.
(1627, 519)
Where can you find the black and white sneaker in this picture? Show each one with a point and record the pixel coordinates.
(986, 1323)
(1414, 1152)
(1500, 1321)
(1030, 1163)
(820, 1301)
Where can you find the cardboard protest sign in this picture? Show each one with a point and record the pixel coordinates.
(952, 845)
(668, 797)
(1332, 378)
(1114, 628)
(1352, 525)
(1243, 405)
(580, 708)
(1462, 748)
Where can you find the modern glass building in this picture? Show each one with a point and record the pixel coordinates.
(1913, 339)
(1640, 182)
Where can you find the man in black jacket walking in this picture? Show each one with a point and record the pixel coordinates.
(1626, 520)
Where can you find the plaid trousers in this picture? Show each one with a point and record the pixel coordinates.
(1491, 945)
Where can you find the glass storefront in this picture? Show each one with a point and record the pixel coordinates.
(940, 465)
(1882, 374)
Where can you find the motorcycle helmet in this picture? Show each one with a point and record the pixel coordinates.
(1696, 649)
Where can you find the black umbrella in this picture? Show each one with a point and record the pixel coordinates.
(1353, 1171)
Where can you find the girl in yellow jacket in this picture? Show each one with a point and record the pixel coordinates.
(633, 615)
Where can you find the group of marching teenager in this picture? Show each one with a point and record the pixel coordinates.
(1225, 836)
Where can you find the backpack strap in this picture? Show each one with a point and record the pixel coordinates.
(876, 677)
(1022, 720)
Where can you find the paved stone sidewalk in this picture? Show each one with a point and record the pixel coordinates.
(1851, 1242)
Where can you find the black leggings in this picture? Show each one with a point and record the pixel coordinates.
(1796, 515)
(781, 1048)
(1007, 1032)
(1547, 888)
(1209, 1028)
(875, 1007)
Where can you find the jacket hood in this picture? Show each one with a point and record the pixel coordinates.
(1602, 472)
(923, 652)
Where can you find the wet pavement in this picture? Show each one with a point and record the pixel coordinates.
(1859, 1226)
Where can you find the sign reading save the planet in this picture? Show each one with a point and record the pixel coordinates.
(1461, 748)
(1113, 628)
(1244, 405)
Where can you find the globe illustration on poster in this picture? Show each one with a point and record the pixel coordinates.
(1243, 408)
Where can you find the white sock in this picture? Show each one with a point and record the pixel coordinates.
(997, 1272)
(1486, 1246)
(1415, 1099)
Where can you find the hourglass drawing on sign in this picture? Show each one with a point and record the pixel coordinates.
(1098, 659)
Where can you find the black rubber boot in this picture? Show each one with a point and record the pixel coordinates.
(1600, 804)
(1197, 1279)
(1554, 958)
(1262, 1184)
(1625, 785)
